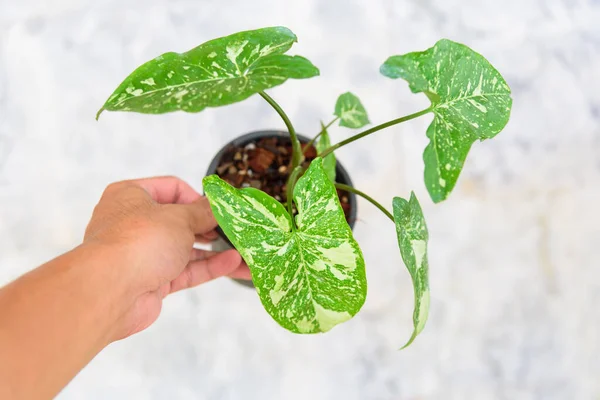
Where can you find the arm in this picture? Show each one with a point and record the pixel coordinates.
(137, 249)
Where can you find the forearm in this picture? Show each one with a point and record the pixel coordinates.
(55, 319)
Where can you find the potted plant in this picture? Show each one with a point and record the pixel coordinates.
(306, 266)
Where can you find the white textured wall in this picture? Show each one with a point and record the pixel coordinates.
(514, 252)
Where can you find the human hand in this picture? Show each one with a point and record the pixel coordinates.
(150, 226)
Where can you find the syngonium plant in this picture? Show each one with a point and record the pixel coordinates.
(308, 269)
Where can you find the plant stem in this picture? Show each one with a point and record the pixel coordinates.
(290, 191)
(323, 130)
(296, 148)
(366, 197)
(373, 130)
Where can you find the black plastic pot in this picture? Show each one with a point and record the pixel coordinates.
(341, 177)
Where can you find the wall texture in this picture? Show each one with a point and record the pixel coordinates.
(514, 252)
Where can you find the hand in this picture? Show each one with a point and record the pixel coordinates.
(152, 225)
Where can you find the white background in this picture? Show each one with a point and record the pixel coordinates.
(514, 252)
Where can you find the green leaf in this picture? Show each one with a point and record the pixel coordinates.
(470, 101)
(310, 277)
(412, 240)
(351, 112)
(329, 161)
(219, 72)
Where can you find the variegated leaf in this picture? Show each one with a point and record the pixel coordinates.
(351, 112)
(470, 101)
(329, 161)
(309, 277)
(219, 72)
(412, 240)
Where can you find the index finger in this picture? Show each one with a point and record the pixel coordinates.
(168, 190)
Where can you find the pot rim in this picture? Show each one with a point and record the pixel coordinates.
(342, 176)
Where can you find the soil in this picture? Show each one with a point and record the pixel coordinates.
(264, 164)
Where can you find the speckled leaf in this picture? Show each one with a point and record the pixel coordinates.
(351, 111)
(470, 101)
(329, 160)
(310, 278)
(219, 72)
(412, 240)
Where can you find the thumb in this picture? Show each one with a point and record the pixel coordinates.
(201, 271)
(198, 215)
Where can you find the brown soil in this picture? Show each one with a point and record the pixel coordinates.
(264, 165)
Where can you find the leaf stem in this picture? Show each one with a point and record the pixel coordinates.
(296, 147)
(290, 191)
(373, 130)
(323, 130)
(366, 197)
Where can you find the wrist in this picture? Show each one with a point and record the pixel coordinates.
(105, 276)
(122, 262)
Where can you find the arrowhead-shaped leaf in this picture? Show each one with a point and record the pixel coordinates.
(351, 112)
(219, 72)
(412, 240)
(310, 277)
(329, 161)
(469, 98)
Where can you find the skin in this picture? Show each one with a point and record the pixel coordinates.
(137, 249)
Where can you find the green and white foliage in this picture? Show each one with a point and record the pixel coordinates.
(412, 240)
(308, 270)
(350, 111)
(310, 275)
(470, 101)
(219, 72)
(329, 161)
